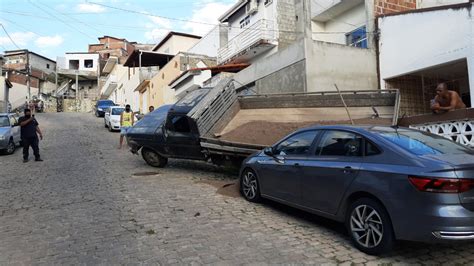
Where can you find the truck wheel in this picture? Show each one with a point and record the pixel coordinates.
(10, 148)
(152, 158)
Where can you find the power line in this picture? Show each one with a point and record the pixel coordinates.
(22, 27)
(10, 37)
(64, 22)
(77, 20)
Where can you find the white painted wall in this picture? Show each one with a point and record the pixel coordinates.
(208, 44)
(346, 22)
(63, 62)
(413, 42)
(41, 64)
(177, 44)
(432, 3)
(18, 94)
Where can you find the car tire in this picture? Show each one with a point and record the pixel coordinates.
(249, 186)
(10, 148)
(370, 227)
(152, 158)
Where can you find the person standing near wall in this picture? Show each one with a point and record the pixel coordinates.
(127, 119)
(446, 100)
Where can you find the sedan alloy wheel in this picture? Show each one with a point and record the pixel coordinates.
(249, 186)
(11, 147)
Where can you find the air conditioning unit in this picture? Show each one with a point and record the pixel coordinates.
(251, 7)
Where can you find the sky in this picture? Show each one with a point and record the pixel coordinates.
(54, 27)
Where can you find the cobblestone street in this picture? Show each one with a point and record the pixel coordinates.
(91, 203)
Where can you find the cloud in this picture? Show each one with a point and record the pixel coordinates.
(20, 38)
(159, 27)
(49, 41)
(93, 8)
(208, 12)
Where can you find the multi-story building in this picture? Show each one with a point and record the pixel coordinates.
(305, 46)
(109, 46)
(31, 74)
(80, 72)
(175, 42)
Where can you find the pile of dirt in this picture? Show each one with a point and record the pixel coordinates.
(267, 133)
(225, 188)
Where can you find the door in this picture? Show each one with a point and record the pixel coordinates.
(16, 130)
(335, 164)
(280, 176)
(181, 141)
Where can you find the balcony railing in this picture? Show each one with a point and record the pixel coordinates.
(261, 30)
(460, 131)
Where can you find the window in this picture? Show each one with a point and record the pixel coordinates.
(371, 149)
(4, 121)
(88, 63)
(357, 38)
(299, 144)
(423, 143)
(180, 124)
(244, 22)
(47, 66)
(340, 143)
(117, 111)
(74, 64)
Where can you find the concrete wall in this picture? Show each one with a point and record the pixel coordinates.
(80, 106)
(432, 3)
(160, 92)
(274, 63)
(349, 67)
(425, 45)
(346, 22)
(42, 64)
(210, 43)
(18, 94)
(63, 62)
(177, 44)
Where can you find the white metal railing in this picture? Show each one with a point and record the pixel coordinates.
(461, 131)
(261, 30)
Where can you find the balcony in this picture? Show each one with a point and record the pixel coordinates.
(325, 10)
(256, 39)
(109, 86)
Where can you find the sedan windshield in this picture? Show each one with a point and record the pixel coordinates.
(4, 122)
(423, 143)
(117, 111)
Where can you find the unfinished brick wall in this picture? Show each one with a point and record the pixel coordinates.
(286, 22)
(384, 7)
(21, 79)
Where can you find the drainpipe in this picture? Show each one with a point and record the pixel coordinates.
(28, 70)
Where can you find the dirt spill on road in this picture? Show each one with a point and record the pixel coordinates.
(225, 188)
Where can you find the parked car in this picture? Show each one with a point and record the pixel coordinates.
(9, 133)
(101, 105)
(112, 117)
(385, 183)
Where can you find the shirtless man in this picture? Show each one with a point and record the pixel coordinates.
(446, 100)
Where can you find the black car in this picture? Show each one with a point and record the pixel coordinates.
(101, 105)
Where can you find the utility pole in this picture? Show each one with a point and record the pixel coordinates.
(28, 73)
(77, 91)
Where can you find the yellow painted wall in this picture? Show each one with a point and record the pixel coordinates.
(160, 92)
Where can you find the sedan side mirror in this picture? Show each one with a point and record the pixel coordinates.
(269, 151)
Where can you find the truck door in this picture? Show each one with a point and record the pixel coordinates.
(181, 141)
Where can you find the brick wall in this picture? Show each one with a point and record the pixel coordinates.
(383, 7)
(21, 79)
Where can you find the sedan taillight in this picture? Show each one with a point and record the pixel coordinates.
(441, 185)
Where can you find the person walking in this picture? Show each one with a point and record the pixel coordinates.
(29, 135)
(127, 119)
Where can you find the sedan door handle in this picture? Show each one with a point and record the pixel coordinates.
(347, 170)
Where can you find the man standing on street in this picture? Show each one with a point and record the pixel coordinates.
(29, 135)
(127, 120)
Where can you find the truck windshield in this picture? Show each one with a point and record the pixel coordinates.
(4, 122)
(424, 143)
(154, 119)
